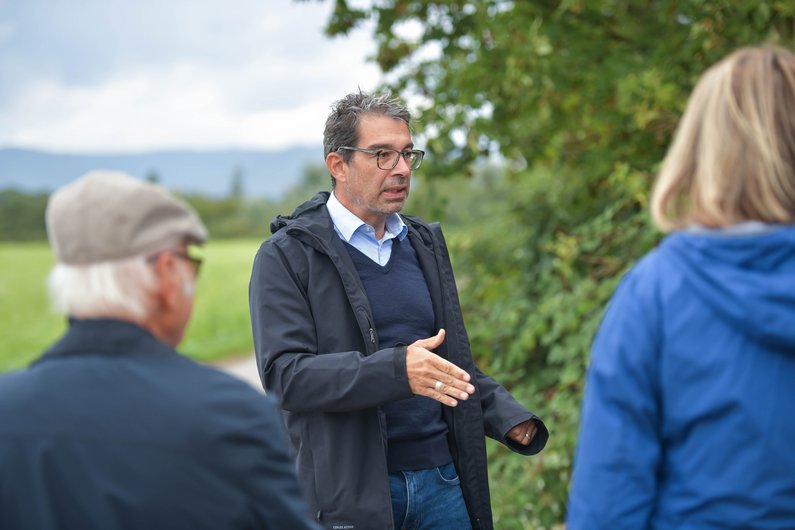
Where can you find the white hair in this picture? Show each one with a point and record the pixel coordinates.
(110, 289)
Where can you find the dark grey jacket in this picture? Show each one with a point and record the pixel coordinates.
(318, 351)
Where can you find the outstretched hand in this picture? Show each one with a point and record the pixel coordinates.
(430, 375)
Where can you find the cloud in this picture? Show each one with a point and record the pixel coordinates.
(126, 76)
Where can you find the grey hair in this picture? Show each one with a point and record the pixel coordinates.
(342, 125)
(111, 289)
(733, 156)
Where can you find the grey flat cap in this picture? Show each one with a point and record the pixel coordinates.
(109, 215)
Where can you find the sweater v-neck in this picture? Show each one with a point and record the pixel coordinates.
(363, 260)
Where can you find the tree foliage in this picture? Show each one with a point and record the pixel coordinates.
(22, 215)
(579, 99)
(233, 216)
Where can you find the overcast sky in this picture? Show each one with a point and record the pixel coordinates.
(130, 75)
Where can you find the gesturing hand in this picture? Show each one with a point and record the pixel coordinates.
(430, 375)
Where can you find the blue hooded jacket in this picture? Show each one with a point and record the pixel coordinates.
(687, 419)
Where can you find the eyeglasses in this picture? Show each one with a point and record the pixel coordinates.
(195, 262)
(388, 158)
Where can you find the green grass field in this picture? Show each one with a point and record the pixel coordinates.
(219, 328)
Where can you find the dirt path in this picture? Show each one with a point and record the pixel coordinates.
(244, 368)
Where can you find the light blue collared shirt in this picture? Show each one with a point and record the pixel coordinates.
(361, 235)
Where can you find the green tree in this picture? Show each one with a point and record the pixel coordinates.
(153, 176)
(580, 99)
(22, 215)
(314, 178)
(237, 184)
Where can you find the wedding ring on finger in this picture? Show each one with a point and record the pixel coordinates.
(438, 386)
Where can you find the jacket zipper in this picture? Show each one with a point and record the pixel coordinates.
(369, 334)
(440, 254)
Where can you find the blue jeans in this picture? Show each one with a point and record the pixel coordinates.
(428, 499)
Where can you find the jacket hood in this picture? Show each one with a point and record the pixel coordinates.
(748, 280)
(302, 211)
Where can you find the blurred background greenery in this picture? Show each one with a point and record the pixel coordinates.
(219, 327)
(544, 123)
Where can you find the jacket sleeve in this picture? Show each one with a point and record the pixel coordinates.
(285, 340)
(253, 449)
(614, 482)
(501, 412)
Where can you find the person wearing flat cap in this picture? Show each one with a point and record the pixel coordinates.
(111, 427)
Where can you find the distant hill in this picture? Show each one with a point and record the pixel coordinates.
(263, 173)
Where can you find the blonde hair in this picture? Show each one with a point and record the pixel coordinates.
(733, 155)
(112, 289)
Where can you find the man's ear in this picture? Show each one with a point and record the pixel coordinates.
(337, 166)
(167, 280)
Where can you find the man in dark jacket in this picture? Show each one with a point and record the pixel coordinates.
(358, 329)
(112, 428)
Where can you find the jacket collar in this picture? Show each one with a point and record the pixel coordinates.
(104, 337)
(313, 217)
(346, 223)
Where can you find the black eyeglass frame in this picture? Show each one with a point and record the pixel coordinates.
(195, 262)
(412, 156)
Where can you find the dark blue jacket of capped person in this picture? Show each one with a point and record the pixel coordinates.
(113, 429)
(687, 419)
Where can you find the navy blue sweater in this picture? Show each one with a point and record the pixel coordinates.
(403, 313)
